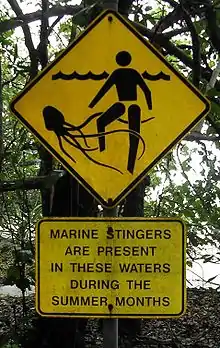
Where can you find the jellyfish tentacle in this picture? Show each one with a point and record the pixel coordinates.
(94, 161)
(117, 131)
(130, 131)
(72, 144)
(147, 119)
(122, 121)
(62, 148)
(143, 121)
(73, 128)
(82, 125)
(85, 140)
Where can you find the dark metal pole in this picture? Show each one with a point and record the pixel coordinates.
(110, 4)
(110, 326)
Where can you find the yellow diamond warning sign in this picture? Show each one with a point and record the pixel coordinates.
(109, 107)
(110, 267)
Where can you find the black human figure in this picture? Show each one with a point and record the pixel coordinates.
(126, 81)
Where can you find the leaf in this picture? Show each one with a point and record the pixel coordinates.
(215, 108)
(189, 263)
(148, 17)
(23, 284)
(13, 273)
(213, 92)
(208, 259)
(80, 20)
(24, 256)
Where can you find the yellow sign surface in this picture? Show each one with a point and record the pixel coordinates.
(110, 267)
(110, 107)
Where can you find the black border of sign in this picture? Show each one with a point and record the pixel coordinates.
(99, 315)
(110, 203)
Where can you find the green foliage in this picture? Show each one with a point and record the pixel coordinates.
(195, 200)
(186, 184)
(19, 210)
(17, 273)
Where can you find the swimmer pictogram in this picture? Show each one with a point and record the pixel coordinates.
(127, 80)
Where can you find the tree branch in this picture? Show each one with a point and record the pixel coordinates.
(163, 41)
(124, 6)
(110, 4)
(42, 47)
(168, 20)
(197, 136)
(27, 184)
(214, 30)
(175, 32)
(50, 29)
(196, 70)
(55, 11)
(172, 3)
(28, 39)
(35, 183)
(45, 157)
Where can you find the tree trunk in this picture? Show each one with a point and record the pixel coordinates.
(69, 198)
(134, 207)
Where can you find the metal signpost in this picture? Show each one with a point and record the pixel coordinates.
(109, 119)
(110, 325)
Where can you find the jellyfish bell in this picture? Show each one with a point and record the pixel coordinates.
(53, 118)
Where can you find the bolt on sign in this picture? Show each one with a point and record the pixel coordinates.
(109, 107)
(116, 267)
